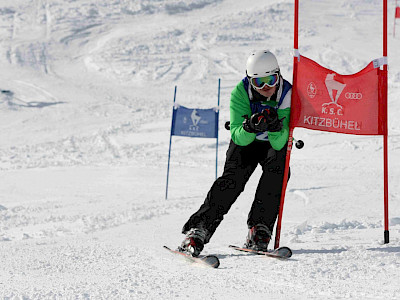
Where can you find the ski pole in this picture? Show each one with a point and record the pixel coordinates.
(299, 143)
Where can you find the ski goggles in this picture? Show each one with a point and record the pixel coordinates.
(260, 82)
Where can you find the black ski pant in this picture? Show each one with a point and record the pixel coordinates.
(241, 161)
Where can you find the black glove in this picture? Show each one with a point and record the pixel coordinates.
(256, 123)
(274, 124)
(267, 120)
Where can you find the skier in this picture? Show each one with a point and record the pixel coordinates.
(259, 139)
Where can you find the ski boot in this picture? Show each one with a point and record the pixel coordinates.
(258, 238)
(193, 243)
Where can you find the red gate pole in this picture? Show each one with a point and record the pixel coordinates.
(291, 128)
(385, 136)
(396, 9)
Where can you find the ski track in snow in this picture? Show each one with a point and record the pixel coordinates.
(86, 93)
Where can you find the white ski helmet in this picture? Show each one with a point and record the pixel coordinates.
(261, 63)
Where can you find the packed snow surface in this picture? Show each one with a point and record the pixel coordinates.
(86, 95)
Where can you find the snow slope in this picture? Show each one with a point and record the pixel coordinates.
(86, 93)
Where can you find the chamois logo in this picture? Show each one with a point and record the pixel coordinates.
(333, 85)
(195, 117)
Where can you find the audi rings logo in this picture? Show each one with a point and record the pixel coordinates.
(353, 96)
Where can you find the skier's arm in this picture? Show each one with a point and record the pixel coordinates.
(279, 139)
(239, 106)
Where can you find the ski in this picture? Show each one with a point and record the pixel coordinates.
(205, 260)
(282, 252)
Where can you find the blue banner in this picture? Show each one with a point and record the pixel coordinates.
(200, 123)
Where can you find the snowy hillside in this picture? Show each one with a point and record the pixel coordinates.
(86, 93)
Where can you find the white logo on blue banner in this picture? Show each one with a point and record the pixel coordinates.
(201, 123)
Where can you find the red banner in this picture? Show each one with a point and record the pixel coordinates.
(397, 15)
(327, 101)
